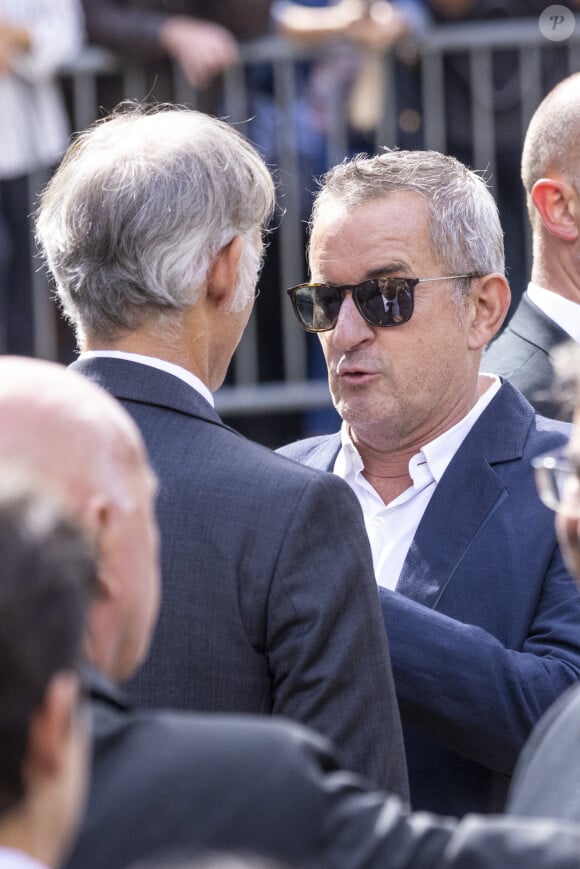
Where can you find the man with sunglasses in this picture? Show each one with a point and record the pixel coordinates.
(408, 287)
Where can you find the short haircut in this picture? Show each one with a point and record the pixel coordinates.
(464, 225)
(47, 578)
(139, 207)
(552, 140)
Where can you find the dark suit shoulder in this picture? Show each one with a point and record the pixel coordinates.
(522, 355)
(317, 452)
(165, 782)
(545, 782)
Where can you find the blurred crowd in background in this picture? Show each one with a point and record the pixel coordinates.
(184, 49)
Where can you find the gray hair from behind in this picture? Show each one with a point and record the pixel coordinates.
(139, 207)
(464, 224)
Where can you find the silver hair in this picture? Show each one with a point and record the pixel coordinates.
(249, 267)
(465, 230)
(138, 208)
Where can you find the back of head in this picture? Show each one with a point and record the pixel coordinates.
(552, 142)
(77, 439)
(48, 575)
(464, 223)
(139, 206)
(52, 419)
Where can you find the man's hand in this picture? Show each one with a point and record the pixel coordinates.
(13, 40)
(382, 26)
(202, 49)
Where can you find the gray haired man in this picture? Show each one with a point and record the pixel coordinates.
(152, 227)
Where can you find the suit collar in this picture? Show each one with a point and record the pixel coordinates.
(100, 687)
(323, 454)
(534, 326)
(155, 362)
(498, 436)
(131, 381)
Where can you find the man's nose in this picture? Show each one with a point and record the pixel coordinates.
(351, 329)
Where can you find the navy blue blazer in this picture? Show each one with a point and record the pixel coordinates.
(267, 606)
(484, 627)
(171, 784)
(521, 354)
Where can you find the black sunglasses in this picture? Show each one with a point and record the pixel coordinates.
(385, 301)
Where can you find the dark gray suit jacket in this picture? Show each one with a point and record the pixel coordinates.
(547, 778)
(521, 354)
(172, 783)
(269, 601)
(484, 628)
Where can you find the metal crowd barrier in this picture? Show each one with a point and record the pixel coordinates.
(246, 392)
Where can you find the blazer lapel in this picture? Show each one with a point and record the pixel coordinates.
(319, 452)
(471, 490)
(531, 324)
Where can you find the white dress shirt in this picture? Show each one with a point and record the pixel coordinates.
(391, 527)
(153, 362)
(564, 312)
(12, 859)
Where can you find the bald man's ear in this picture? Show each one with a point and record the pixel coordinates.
(490, 298)
(557, 204)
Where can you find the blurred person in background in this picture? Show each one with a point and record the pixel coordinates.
(548, 314)
(199, 35)
(48, 575)
(507, 89)
(36, 38)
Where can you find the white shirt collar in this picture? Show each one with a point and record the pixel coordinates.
(154, 362)
(10, 858)
(431, 462)
(564, 312)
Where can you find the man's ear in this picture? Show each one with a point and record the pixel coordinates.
(51, 726)
(490, 298)
(556, 203)
(223, 273)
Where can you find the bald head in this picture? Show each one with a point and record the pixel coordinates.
(552, 142)
(74, 437)
(64, 428)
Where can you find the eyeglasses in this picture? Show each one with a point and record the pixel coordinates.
(558, 482)
(385, 301)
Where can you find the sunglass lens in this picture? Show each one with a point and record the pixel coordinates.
(386, 301)
(318, 307)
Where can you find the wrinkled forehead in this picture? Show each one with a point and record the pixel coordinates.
(389, 231)
(333, 214)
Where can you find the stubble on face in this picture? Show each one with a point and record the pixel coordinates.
(403, 385)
